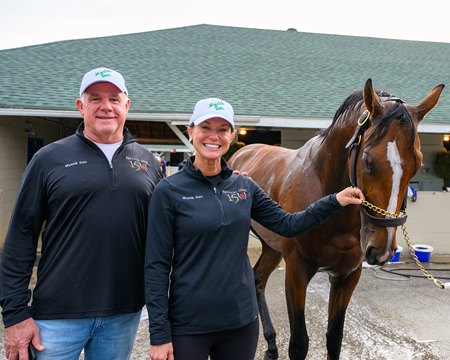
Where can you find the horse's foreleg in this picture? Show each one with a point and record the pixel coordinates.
(265, 265)
(298, 276)
(340, 294)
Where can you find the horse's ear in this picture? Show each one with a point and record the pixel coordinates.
(430, 101)
(371, 98)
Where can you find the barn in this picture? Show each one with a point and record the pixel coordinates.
(283, 85)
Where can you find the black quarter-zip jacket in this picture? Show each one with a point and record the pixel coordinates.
(93, 242)
(197, 252)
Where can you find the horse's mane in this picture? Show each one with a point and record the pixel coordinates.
(354, 102)
(349, 104)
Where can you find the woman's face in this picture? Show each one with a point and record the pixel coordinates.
(211, 138)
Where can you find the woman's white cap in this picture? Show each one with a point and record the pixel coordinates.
(103, 74)
(212, 108)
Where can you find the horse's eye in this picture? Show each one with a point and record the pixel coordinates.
(367, 163)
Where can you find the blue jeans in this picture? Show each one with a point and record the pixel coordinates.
(102, 338)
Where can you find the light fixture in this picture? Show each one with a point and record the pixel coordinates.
(446, 138)
(242, 131)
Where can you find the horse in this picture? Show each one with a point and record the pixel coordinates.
(372, 143)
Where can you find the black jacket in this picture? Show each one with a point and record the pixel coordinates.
(93, 242)
(200, 244)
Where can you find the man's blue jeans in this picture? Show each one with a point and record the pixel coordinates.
(102, 338)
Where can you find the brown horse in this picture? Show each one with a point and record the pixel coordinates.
(372, 143)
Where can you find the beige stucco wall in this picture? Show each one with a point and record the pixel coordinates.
(12, 163)
(428, 222)
(13, 146)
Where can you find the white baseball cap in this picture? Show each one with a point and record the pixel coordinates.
(211, 108)
(103, 74)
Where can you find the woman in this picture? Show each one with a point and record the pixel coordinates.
(200, 291)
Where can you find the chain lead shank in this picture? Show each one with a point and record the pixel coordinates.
(388, 214)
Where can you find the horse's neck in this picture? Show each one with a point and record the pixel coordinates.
(333, 157)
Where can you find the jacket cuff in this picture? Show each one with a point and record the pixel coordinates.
(15, 318)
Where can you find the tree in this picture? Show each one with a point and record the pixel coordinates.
(442, 165)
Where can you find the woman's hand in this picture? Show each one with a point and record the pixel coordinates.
(161, 352)
(349, 196)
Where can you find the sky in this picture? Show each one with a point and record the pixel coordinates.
(32, 22)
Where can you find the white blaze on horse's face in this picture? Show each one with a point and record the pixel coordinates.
(394, 158)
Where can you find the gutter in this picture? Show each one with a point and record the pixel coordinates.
(174, 119)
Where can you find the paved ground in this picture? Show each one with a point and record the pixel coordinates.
(389, 317)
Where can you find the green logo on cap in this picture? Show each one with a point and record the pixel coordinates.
(103, 73)
(217, 106)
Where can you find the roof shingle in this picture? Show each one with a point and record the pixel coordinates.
(260, 72)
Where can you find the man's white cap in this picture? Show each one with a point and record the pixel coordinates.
(211, 108)
(103, 74)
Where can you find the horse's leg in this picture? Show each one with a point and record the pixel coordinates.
(340, 294)
(298, 276)
(266, 264)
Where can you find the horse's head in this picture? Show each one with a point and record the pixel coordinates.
(384, 156)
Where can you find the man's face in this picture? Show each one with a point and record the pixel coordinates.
(104, 109)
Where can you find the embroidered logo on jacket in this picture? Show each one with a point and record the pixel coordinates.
(236, 196)
(137, 164)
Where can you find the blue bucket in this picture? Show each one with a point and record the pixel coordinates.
(423, 252)
(396, 256)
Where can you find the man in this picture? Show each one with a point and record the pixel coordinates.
(92, 191)
(163, 166)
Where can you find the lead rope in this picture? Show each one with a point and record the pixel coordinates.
(383, 212)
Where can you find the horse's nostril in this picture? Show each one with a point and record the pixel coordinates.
(371, 255)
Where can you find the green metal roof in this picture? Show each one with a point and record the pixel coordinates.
(260, 72)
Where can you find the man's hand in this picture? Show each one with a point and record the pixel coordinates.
(19, 336)
(237, 172)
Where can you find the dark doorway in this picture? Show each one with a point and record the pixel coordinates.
(268, 137)
(33, 145)
(176, 158)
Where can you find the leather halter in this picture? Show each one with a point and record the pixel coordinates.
(354, 145)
